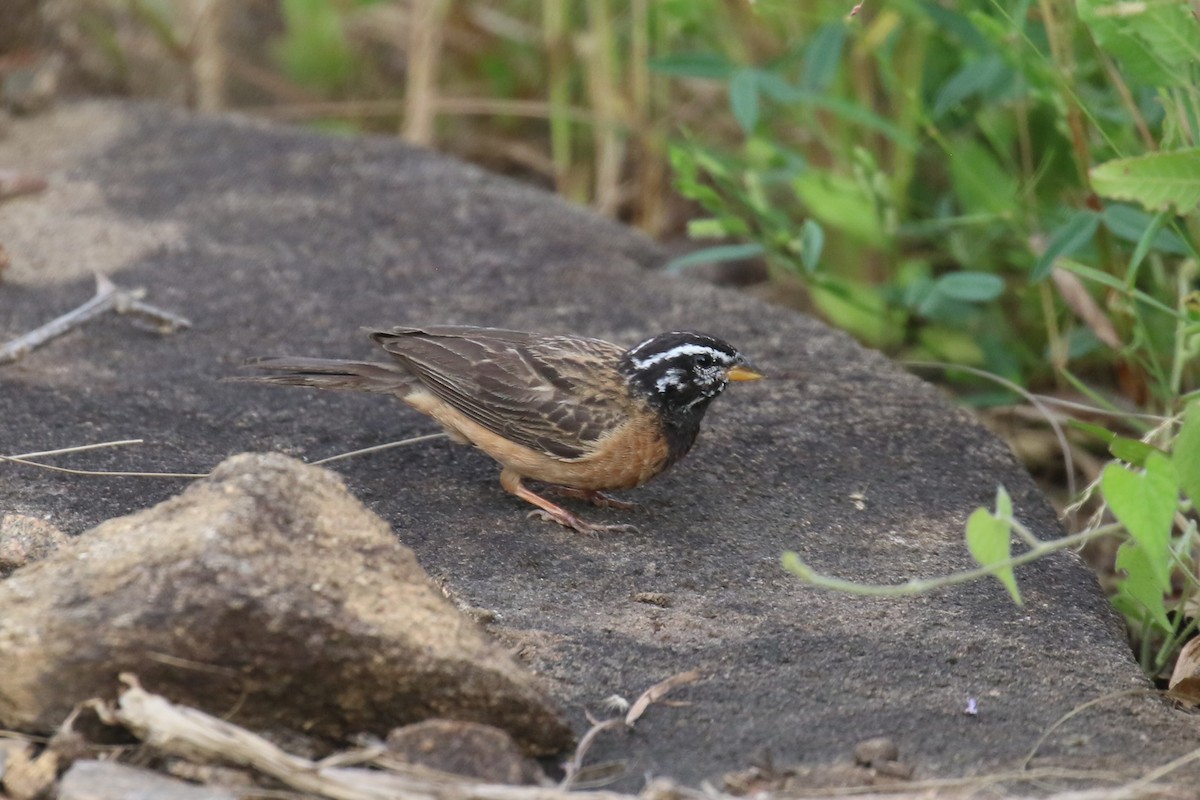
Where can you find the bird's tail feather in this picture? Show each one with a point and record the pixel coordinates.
(330, 373)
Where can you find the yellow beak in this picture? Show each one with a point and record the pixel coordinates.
(743, 372)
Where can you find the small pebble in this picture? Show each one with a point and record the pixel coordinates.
(875, 751)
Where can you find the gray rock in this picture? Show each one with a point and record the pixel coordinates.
(483, 752)
(108, 780)
(25, 539)
(276, 241)
(267, 592)
(875, 750)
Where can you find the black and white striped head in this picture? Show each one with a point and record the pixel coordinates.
(681, 372)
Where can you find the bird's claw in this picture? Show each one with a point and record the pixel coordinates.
(573, 522)
(599, 499)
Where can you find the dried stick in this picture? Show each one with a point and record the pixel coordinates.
(426, 24)
(108, 297)
(192, 734)
(655, 693)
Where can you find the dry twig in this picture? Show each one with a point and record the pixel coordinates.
(194, 735)
(655, 693)
(108, 297)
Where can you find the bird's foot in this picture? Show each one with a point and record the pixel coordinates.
(569, 520)
(596, 498)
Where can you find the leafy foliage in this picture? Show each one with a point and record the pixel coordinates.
(1001, 185)
(951, 159)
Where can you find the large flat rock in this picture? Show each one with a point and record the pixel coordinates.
(275, 240)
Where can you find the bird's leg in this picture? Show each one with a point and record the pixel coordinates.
(511, 482)
(595, 498)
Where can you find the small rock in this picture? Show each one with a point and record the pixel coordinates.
(265, 588)
(463, 748)
(653, 598)
(25, 539)
(107, 780)
(875, 751)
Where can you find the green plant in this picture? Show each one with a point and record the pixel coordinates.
(1003, 185)
(924, 172)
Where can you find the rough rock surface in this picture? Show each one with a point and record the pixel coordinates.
(265, 593)
(277, 241)
(25, 539)
(470, 749)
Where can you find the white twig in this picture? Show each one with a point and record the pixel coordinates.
(108, 297)
(572, 768)
(192, 734)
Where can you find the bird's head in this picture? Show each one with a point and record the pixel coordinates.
(681, 372)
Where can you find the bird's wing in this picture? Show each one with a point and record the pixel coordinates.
(554, 394)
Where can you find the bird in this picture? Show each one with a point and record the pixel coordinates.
(584, 415)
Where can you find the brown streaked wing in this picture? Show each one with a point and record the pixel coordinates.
(553, 394)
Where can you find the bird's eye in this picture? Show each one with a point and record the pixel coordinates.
(704, 360)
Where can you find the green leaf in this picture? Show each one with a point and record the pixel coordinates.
(970, 287)
(812, 243)
(1185, 454)
(951, 345)
(1098, 431)
(858, 309)
(1139, 593)
(956, 25)
(841, 203)
(1074, 234)
(743, 98)
(1156, 181)
(989, 540)
(714, 255)
(1158, 43)
(823, 56)
(1132, 450)
(1134, 225)
(707, 228)
(982, 183)
(693, 65)
(978, 77)
(1145, 502)
(778, 89)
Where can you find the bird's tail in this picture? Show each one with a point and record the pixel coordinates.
(330, 373)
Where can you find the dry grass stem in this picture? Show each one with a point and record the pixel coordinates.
(1078, 710)
(380, 447)
(602, 88)
(209, 65)
(25, 458)
(426, 23)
